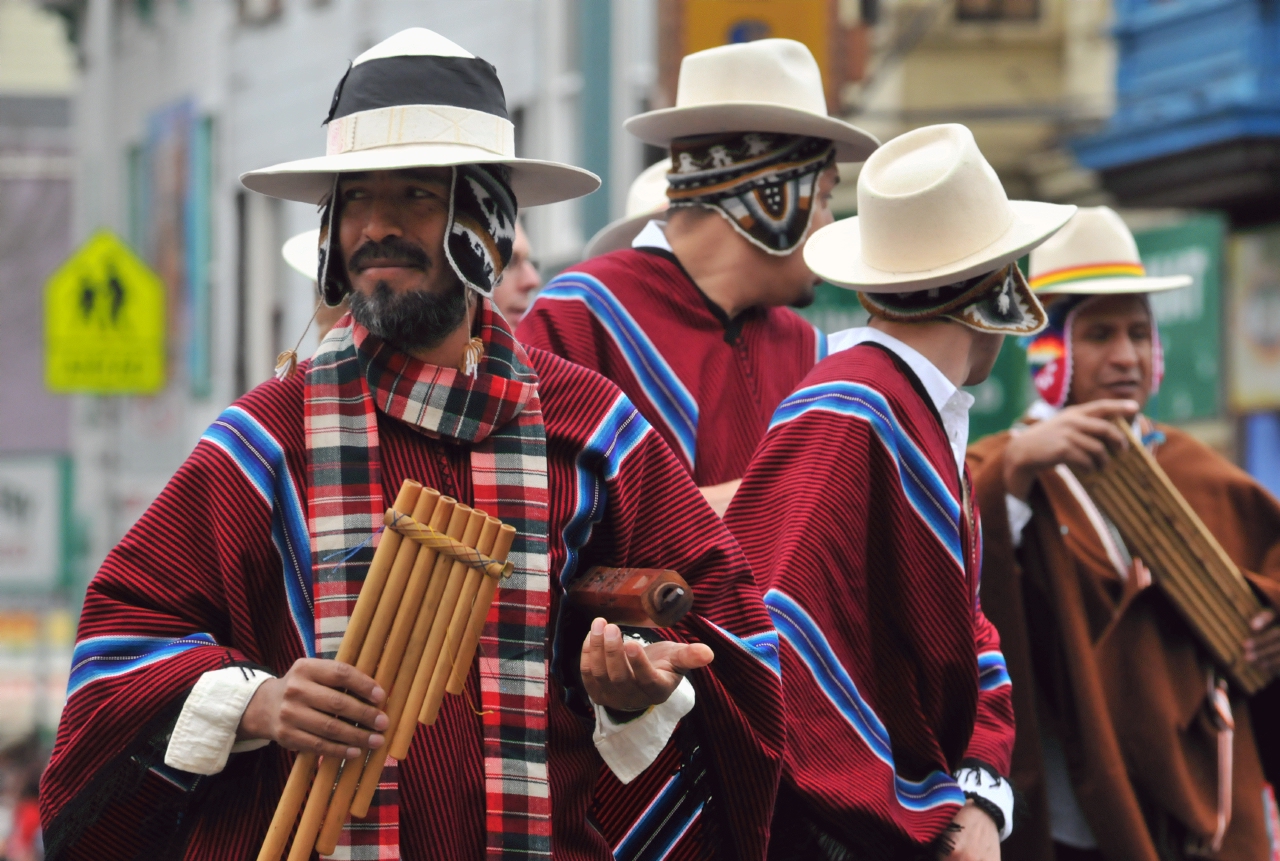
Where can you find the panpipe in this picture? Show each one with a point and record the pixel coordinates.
(1186, 561)
(415, 628)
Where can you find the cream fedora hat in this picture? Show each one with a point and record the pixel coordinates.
(418, 100)
(646, 198)
(770, 85)
(1095, 255)
(931, 212)
(302, 253)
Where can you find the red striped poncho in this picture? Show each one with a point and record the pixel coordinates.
(854, 520)
(217, 571)
(708, 384)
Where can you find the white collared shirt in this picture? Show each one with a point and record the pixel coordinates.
(952, 403)
(652, 236)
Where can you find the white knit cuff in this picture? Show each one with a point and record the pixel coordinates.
(989, 787)
(1019, 516)
(205, 734)
(629, 748)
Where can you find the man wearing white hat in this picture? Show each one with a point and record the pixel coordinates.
(858, 521)
(1111, 768)
(210, 631)
(690, 321)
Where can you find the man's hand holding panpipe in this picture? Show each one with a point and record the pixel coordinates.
(1081, 436)
(622, 674)
(325, 707)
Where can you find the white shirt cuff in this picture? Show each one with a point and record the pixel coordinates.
(629, 748)
(1019, 517)
(994, 789)
(205, 734)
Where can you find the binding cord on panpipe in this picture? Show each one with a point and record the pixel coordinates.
(419, 617)
(1186, 560)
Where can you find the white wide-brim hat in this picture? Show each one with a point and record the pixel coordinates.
(302, 253)
(418, 100)
(770, 85)
(931, 212)
(646, 198)
(1095, 255)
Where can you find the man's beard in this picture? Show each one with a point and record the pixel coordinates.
(418, 320)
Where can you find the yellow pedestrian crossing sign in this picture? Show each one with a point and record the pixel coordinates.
(104, 322)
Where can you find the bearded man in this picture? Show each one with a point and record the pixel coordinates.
(1131, 745)
(205, 647)
(691, 320)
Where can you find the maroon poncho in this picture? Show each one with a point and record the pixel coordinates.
(218, 571)
(707, 383)
(854, 520)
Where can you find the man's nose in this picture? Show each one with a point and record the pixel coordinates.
(1125, 352)
(383, 220)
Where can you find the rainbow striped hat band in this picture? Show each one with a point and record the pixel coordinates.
(1095, 254)
(1046, 281)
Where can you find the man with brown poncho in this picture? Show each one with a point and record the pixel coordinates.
(1124, 734)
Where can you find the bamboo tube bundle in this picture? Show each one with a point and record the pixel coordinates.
(419, 615)
(1185, 559)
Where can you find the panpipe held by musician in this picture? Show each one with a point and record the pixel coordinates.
(345, 623)
(1133, 574)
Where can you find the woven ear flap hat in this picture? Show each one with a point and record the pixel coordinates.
(1095, 255)
(646, 199)
(931, 213)
(769, 85)
(418, 100)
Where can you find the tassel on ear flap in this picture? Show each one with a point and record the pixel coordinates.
(471, 356)
(287, 362)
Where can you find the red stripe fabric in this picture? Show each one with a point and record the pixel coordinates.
(201, 559)
(825, 519)
(736, 385)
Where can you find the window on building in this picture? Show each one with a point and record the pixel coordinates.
(259, 11)
(997, 10)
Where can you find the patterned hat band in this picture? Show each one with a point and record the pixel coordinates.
(998, 302)
(762, 183)
(1090, 272)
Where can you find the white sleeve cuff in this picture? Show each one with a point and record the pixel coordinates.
(997, 790)
(629, 748)
(205, 734)
(1019, 517)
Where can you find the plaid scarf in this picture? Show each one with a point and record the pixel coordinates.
(762, 183)
(497, 413)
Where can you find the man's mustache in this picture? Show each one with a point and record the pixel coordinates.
(392, 251)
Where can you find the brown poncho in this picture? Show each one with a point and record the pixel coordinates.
(1119, 673)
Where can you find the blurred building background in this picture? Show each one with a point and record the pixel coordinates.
(138, 116)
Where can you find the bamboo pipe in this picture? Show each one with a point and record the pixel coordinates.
(457, 627)
(304, 765)
(384, 648)
(480, 612)
(400, 648)
(435, 641)
(1133, 511)
(1177, 577)
(313, 815)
